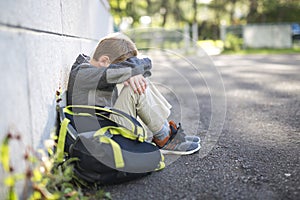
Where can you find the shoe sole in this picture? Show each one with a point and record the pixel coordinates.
(169, 152)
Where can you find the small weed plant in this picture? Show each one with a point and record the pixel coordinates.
(43, 177)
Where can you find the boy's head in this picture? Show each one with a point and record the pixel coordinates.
(114, 48)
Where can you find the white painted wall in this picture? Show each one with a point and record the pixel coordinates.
(267, 36)
(39, 41)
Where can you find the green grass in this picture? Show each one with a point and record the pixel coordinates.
(294, 50)
(220, 44)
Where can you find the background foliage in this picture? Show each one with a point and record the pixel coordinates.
(208, 14)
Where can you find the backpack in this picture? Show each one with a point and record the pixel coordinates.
(107, 152)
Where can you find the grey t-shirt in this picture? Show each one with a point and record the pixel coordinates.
(90, 85)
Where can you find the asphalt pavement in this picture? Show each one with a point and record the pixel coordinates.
(246, 109)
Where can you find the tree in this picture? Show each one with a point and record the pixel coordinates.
(262, 11)
(176, 13)
(129, 8)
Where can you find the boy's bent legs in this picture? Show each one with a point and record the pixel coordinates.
(151, 107)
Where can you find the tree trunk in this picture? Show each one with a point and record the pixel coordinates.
(165, 14)
(232, 11)
(195, 11)
(253, 11)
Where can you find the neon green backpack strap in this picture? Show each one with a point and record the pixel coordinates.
(162, 163)
(136, 129)
(118, 131)
(105, 109)
(119, 161)
(61, 140)
(139, 130)
(68, 111)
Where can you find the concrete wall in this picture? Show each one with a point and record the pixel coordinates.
(39, 41)
(267, 36)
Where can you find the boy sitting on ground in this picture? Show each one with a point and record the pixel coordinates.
(93, 81)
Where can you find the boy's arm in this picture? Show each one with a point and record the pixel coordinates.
(121, 72)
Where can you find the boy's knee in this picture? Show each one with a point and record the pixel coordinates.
(127, 95)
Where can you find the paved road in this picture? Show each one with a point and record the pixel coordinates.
(250, 132)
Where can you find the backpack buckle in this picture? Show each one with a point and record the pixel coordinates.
(108, 134)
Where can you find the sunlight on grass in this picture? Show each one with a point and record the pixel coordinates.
(264, 51)
(219, 44)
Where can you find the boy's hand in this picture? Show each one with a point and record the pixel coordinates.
(138, 83)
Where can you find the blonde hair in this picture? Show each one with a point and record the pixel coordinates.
(118, 47)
